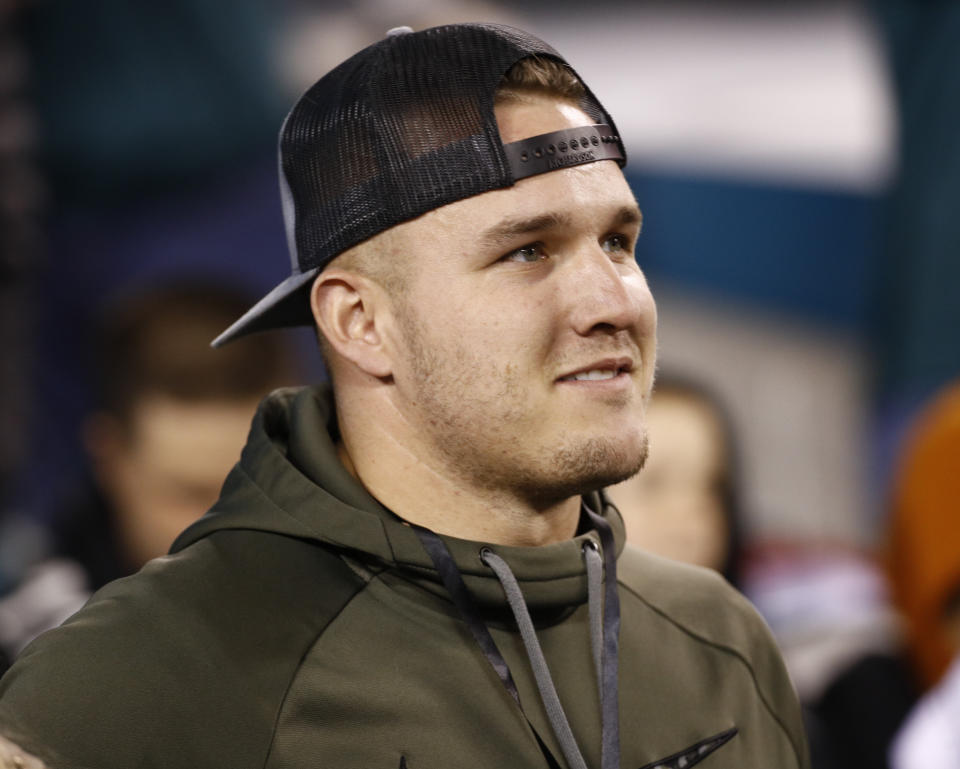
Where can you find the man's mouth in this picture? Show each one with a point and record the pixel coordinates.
(598, 372)
(591, 376)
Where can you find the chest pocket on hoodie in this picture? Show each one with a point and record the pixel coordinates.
(694, 754)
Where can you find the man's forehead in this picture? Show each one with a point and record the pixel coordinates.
(500, 215)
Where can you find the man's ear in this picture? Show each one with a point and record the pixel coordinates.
(349, 311)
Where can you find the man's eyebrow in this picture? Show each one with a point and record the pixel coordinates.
(629, 215)
(509, 229)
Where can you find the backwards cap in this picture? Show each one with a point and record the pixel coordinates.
(403, 127)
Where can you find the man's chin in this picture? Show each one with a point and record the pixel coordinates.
(592, 465)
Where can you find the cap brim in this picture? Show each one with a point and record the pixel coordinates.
(286, 305)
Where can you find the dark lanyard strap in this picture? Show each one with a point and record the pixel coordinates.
(463, 600)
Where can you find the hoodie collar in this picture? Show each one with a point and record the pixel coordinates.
(290, 481)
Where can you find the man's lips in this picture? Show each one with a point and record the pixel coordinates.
(600, 370)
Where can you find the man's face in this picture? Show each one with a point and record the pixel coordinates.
(525, 337)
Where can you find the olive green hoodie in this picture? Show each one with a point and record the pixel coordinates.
(301, 624)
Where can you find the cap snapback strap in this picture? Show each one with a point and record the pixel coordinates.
(559, 149)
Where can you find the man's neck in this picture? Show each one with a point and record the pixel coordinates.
(419, 493)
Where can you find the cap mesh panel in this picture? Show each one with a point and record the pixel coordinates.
(403, 127)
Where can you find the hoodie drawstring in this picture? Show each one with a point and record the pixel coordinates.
(548, 692)
(604, 620)
(609, 679)
(594, 586)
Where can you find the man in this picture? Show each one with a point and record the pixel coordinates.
(420, 571)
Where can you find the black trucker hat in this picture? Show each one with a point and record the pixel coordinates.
(403, 127)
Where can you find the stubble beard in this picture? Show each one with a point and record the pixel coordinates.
(479, 435)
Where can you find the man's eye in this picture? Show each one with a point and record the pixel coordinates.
(531, 253)
(616, 244)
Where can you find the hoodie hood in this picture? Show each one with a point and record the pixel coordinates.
(290, 481)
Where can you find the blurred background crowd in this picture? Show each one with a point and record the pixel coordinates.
(798, 165)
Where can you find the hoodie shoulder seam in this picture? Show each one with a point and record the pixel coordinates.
(308, 647)
(731, 651)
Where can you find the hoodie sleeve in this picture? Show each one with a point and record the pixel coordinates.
(182, 665)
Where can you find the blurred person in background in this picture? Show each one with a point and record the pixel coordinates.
(170, 423)
(930, 737)
(924, 571)
(684, 505)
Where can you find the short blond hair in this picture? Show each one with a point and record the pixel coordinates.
(542, 77)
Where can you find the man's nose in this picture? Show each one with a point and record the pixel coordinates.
(603, 294)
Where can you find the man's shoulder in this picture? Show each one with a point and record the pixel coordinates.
(187, 660)
(710, 613)
(199, 597)
(697, 600)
